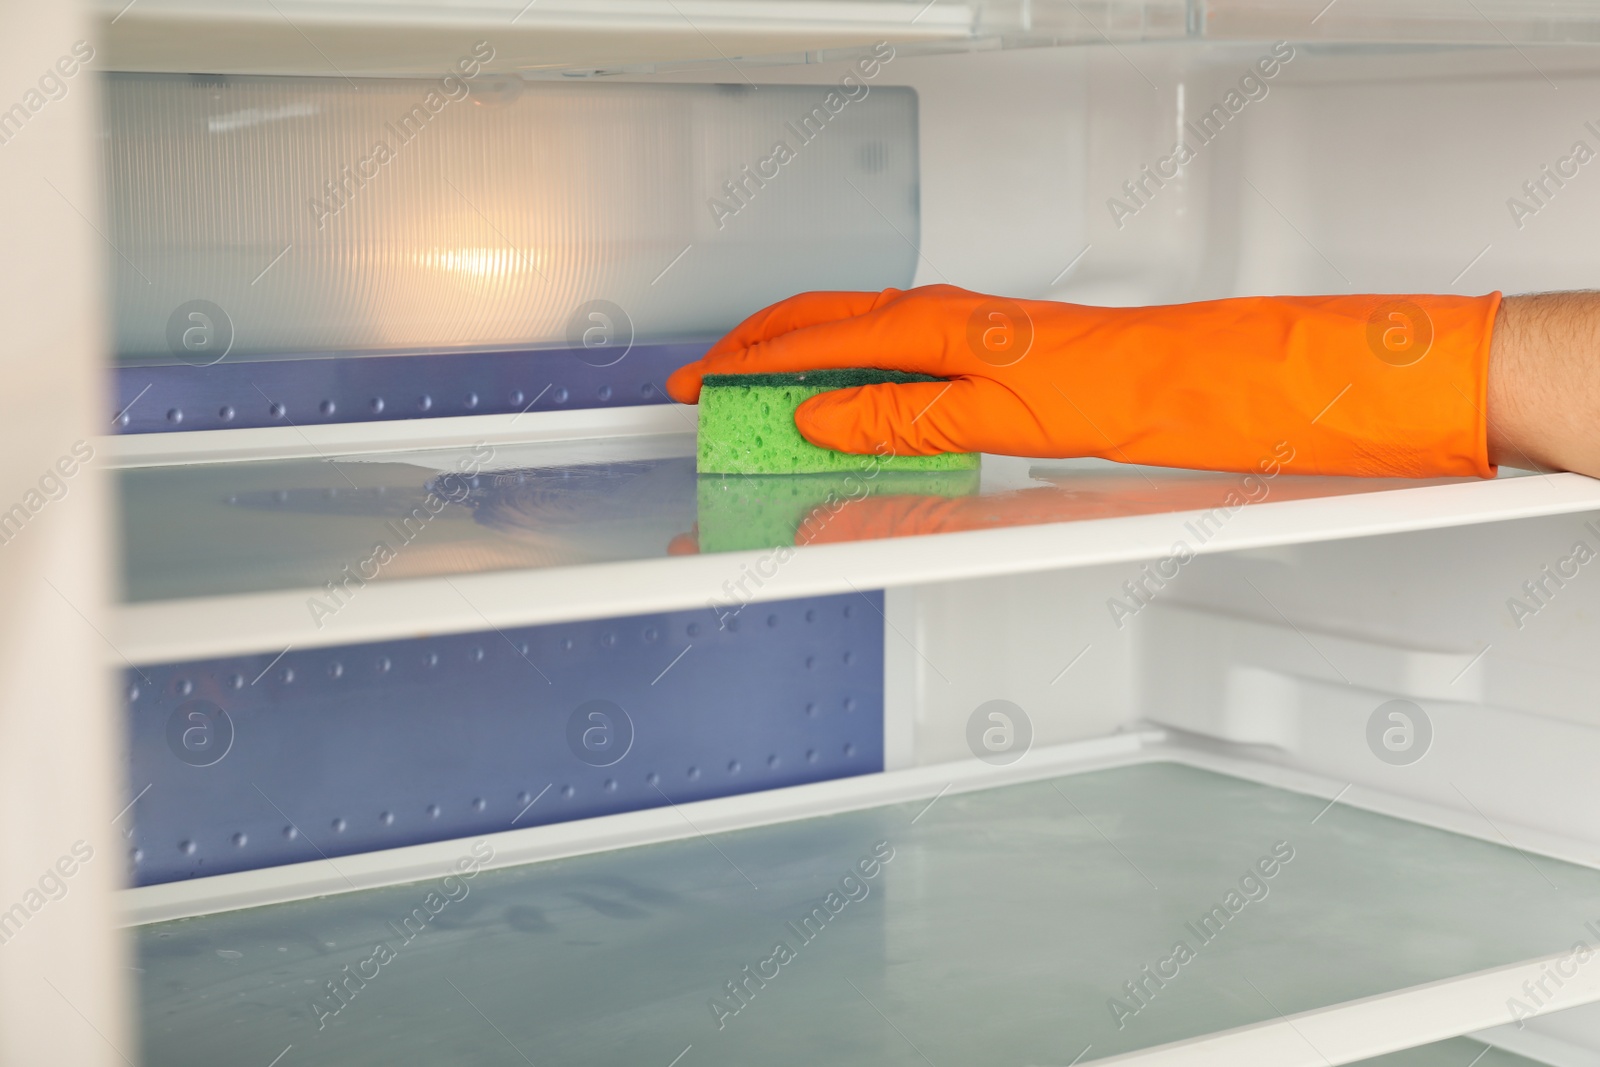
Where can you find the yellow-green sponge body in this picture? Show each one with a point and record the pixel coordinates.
(747, 426)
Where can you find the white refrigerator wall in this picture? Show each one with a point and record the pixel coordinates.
(1350, 169)
(61, 854)
(1488, 631)
(1044, 644)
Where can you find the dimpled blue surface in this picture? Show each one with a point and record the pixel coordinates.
(235, 394)
(260, 760)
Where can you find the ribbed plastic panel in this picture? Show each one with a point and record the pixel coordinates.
(283, 757)
(296, 215)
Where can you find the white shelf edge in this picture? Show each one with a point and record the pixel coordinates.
(1530, 1043)
(807, 17)
(1373, 1026)
(411, 38)
(207, 627)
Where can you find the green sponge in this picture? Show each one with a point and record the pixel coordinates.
(747, 426)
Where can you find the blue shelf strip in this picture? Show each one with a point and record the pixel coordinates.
(234, 394)
(261, 760)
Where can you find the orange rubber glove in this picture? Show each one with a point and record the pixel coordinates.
(1364, 385)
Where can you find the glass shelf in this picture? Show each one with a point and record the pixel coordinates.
(224, 558)
(218, 529)
(997, 926)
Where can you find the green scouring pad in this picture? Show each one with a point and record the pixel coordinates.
(747, 426)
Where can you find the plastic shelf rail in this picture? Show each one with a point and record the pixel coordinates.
(166, 397)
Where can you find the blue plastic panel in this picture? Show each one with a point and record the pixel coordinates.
(255, 761)
(152, 398)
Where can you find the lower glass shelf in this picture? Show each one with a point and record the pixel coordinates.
(1049, 922)
(1461, 1052)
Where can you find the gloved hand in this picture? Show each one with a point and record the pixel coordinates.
(1365, 385)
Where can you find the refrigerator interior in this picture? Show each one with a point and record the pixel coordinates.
(1061, 710)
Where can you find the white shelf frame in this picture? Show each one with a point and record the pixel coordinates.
(423, 38)
(643, 37)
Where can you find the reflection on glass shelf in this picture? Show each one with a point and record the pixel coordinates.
(1004, 926)
(228, 528)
